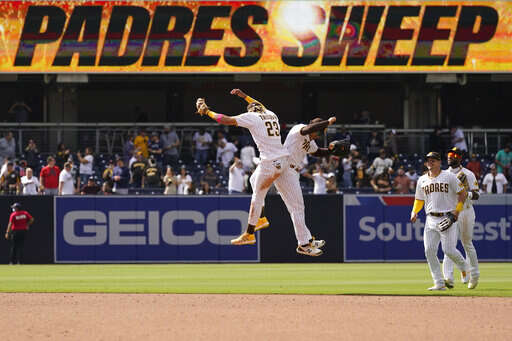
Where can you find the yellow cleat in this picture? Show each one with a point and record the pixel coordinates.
(244, 239)
(263, 223)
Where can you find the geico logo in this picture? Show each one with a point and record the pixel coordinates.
(388, 231)
(492, 230)
(119, 227)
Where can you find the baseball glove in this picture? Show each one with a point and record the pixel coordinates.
(340, 148)
(202, 108)
(447, 221)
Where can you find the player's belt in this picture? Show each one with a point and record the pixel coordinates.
(435, 214)
(296, 168)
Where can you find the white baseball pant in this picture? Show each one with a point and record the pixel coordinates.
(431, 238)
(288, 186)
(465, 224)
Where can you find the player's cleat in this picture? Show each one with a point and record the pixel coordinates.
(263, 223)
(448, 283)
(473, 282)
(317, 243)
(244, 239)
(464, 277)
(437, 287)
(309, 250)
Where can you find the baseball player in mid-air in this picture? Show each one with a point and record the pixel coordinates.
(264, 127)
(465, 223)
(443, 195)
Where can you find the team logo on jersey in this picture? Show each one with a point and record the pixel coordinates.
(436, 187)
(306, 144)
(464, 180)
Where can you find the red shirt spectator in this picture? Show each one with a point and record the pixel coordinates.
(49, 176)
(475, 166)
(19, 220)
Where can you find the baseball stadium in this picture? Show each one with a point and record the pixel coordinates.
(257, 170)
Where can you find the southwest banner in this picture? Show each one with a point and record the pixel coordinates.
(252, 36)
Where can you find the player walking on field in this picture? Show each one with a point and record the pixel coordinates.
(443, 196)
(264, 127)
(466, 221)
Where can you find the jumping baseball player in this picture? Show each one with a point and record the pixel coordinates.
(443, 195)
(465, 223)
(264, 127)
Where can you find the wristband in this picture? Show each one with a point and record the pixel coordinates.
(459, 207)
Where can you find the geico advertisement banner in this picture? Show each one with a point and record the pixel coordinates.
(255, 36)
(377, 228)
(151, 229)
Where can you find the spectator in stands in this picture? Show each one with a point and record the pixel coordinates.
(381, 164)
(344, 134)
(332, 164)
(10, 180)
(170, 144)
(347, 171)
(86, 164)
(458, 139)
(236, 177)
(319, 178)
(137, 170)
(128, 149)
(202, 141)
(66, 185)
(106, 189)
(20, 111)
(381, 183)
(494, 182)
(62, 155)
(141, 143)
(30, 183)
(503, 160)
(475, 166)
(170, 182)
(108, 173)
(120, 177)
(331, 184)
(226, 152)
(413, 176)
(437, 143)
(49, 177)
(365, 117)
(32, 154)
(401, 182)
(7, 147)
(209, 180)
(390, 143)
(362, 177)
(152, 177)
(184, 182)
(373, 145)
(247, 155)
(20, 167)
(90, 187)
(155, 149)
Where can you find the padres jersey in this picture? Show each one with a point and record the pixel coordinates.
(468, 180)
(265, 131)
(439, 193)
(299, 145)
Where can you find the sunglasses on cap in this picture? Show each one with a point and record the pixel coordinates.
(454, 155)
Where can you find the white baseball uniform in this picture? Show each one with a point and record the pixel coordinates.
(440, 197)
(465, 224)
(266, 132)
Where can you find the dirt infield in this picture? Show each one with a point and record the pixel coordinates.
(251, 317)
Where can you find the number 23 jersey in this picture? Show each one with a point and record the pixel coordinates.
(266, 132)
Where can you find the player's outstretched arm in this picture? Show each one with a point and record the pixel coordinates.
(317, 126)
(247, 98)
(202, 109)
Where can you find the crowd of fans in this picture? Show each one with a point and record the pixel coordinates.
(220, 162)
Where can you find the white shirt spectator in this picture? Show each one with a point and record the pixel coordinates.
(457, 134)
(30, 186)
(247, 154)
(86, 168)
(7, 147)
(320, 181)
(202, 140)
(236, 179)
(501, 181)
(413, 177)
(380, 165)
(66, 178)
(184, 183)
(226, 154)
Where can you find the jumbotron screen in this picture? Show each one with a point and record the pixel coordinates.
(252, 36)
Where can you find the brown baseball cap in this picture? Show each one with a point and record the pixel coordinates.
(433, 155)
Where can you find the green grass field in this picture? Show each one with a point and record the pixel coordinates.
(348, 279)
